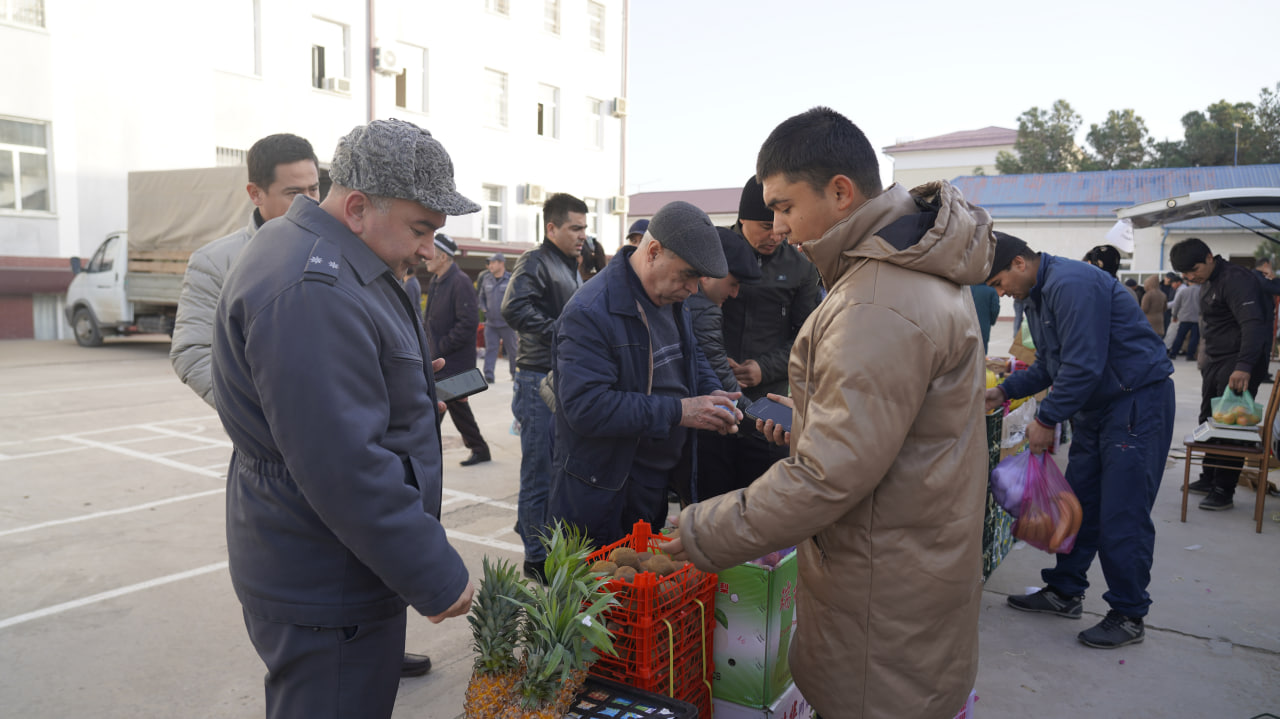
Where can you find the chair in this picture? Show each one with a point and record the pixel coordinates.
(1259, 456)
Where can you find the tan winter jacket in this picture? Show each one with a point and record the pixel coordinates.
(885, 488)
(1154, 303)
(192, 347)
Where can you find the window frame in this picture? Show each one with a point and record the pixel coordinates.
(16, 154)
(503, 122)
(552, 15)
(402, 79)
(596, 41)
(554, 133)
(488, 203)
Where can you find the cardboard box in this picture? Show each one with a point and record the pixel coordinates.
(788, 706)
(755, 619)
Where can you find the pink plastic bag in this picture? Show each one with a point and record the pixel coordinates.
(1048, 513)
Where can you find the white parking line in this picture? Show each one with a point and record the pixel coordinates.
(112, 594)
(141, 455)
(109, 512)
(201, 419)
(454, 496)
(37, 392)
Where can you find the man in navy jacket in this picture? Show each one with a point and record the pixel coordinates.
(1111, 377)
(322, 375)
(631, 382)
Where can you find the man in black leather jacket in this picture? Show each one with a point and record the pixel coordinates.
(541, 284)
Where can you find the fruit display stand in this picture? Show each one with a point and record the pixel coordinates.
(602, 698)
(662, 627)
(755, 619)
(997, 524)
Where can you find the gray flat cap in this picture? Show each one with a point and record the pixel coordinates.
(688, 232)
(394, 158)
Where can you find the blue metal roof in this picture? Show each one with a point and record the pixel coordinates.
(1096, 195)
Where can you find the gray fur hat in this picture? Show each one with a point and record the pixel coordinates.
(394, 158)
(688, 232)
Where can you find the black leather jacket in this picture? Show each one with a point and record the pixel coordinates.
(762, 321)
(541, 284)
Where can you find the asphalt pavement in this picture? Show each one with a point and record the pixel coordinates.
(117, 603)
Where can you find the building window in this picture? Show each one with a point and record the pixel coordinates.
(595, 24)
(548, 111)
(412, 82)
(24, 166)
(491, 218)
(552, 13)
(498, 7)
(231, 157)
(329, 55)
(595, 123)
(593, 216)
(23, 12)
(239, 34)
(496, 98)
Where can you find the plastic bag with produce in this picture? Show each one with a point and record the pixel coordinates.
(1048, 513)
(1236, 409)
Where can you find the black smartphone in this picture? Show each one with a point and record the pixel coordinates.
(766, 409)
(460, 385)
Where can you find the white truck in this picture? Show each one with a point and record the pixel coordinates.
(132, 283)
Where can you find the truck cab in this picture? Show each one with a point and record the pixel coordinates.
(96, 296)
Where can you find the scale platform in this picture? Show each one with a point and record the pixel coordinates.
(1211, 431)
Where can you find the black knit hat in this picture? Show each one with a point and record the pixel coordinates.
(688, 232)
(751, 204)
(737, 253)
(1007, 248)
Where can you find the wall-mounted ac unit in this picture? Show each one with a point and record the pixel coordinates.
(533, 194)
(338, 84)
(619, 107)
(386, 60)
(620, 204)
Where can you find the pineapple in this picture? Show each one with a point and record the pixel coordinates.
(495, 626)
(562, 627)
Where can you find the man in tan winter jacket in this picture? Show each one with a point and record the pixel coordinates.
(884, 490)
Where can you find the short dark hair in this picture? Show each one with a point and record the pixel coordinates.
(274, 150)
(1106, 257)
(817, 145)
(1187, 254)
(557, 208)
(1264, 260)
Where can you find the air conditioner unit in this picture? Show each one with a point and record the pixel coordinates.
(338, 84)
(386, 61)
(619, 107)
(620, 204)
(533, 194)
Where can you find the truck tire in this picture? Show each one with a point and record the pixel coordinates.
(86, 328)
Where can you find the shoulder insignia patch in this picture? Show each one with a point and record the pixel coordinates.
(323, 263)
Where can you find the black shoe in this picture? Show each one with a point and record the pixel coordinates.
(415, 665)
(488, 378)
(1115, 630)
(1200, 486)
(1049, 601)
(534, 571)
(475, 458)
(1218, 500)
(1267, 380)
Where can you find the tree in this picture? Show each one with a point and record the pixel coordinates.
(1267, 125)
(1046, 142)
(1210, 136)
(1120, 143)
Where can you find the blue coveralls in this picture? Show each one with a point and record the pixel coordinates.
(1111, 376)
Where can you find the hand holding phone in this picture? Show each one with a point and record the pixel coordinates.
(460, 385)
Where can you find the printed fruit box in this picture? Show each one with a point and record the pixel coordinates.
(755, 618)
(791, 705)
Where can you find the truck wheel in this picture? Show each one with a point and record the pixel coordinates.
(86, 328)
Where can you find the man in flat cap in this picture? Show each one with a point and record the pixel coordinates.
(631, 382)
(498, 335)
(1111, 378)
(324, 384)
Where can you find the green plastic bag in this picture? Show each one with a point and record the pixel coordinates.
(1026, 336)
(1236, 409)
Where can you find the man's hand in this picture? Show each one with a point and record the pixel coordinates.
(1039, 437)
(437, 364)
(672, 544)
(460, 607)
(714, 412)
(747, 373)
(1238, 381)
(995, 397)
(773, 431)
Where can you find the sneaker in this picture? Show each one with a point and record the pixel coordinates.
(1115, 630)
(1218, 500)
(1200, 486)
(1049, 601)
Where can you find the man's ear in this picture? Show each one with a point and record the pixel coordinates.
(355, 206)
(256, 194)
(846, 193)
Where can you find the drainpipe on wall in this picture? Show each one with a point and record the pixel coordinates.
(1163, 237)
(622, 161)
(368, 59)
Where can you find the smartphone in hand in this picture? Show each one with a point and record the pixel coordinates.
(460, 385)
(766, 409)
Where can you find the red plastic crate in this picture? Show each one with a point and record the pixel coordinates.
(663, 627)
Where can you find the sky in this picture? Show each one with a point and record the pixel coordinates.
(709, 79)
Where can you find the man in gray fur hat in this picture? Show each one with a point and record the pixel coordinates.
(631, 381)
(321, 370)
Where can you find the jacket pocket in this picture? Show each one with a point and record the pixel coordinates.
(590, 475)
(428, 485)
(817, 543)
(405, 376)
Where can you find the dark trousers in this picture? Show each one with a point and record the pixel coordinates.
(1184, 329)
(330, 672)
(1116, 462)
(606, 515)
(463, 418)
(493, 337)
(729, 462)
(1214, 377)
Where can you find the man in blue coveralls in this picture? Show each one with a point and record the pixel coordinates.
(1111, 377)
